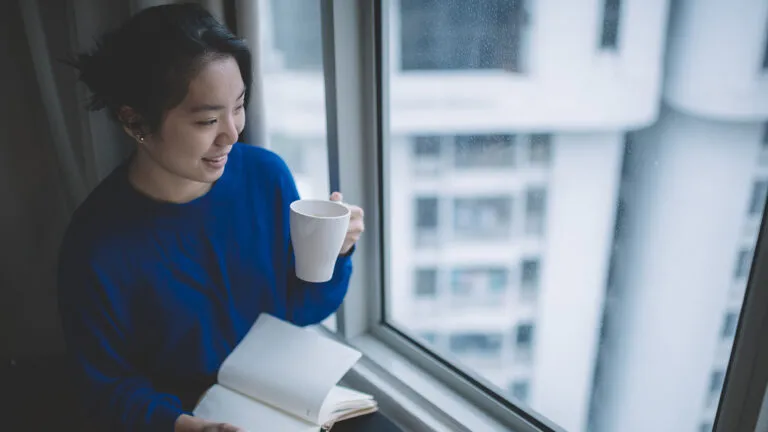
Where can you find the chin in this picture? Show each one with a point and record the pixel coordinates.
(210, 176)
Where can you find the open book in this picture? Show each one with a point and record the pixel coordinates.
(284, 378)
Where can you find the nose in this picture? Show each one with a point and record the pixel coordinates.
(228, 133)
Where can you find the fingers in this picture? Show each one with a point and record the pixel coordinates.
(356, 227)
(229, 428)
(356, 212)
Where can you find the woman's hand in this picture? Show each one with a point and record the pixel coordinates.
(356, 224)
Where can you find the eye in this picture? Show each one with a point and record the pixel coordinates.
(239, 108)
(209, 122)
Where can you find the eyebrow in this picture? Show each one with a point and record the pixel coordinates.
(207, 107)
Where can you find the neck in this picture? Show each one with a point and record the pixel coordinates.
(151, 179)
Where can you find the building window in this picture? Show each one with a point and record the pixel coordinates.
(482, 344)
(426, 147)
(484, 286)
(482, 218)
(757, 202)
(540, 151)
(426, 283)
(484, 151)
(524, 336)
(764, 138)
(765, 54)
(457, 34)
(535, 210)
(729, 325)
(427, 152)
(743, 261)
(426, 221)
(609, 39)
(529, 280)
(716, 381)
(519, 390)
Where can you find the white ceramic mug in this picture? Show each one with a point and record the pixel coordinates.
(318, 229)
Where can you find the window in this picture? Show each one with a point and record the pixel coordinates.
(609, 234)
(479, 286)
(535, 210)
(611, 18)
(759, 193)
(460, 35)
(743, 261)
(524, 336)
(716, 384)
(297, 41)
(426, 221)
(478, 218)
(764, 140)
(765, 54)
(529, 281)
(485, 151)
(426, 283)
(293, 152)
(426, 147)
(480, 344)
(540, 151)
(293, 42)
(519, 390)
(427, 155)
(729, 325)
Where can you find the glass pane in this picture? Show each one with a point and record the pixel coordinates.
(294, 90)
(576, 198)
(294, 93)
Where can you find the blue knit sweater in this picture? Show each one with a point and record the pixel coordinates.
(153, 296)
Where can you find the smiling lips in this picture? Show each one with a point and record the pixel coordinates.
(215, 158)
(216, 161)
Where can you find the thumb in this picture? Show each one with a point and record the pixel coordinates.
(336, 196)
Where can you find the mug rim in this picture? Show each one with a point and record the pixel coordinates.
(336, 204)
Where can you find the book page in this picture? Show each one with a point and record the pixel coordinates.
(220, 404)
(342, 401)
(286, 366)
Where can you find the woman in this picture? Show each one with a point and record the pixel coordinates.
(170, 260)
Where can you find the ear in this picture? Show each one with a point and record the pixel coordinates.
(132, 123)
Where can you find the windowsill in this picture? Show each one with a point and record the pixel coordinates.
(410, 397)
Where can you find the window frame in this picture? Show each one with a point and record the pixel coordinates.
(356, 76)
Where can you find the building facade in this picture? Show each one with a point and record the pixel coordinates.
(576, 190)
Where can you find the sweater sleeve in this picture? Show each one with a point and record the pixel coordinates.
(115, 394)
(309, 303)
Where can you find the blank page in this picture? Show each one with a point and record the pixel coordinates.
(287, 366)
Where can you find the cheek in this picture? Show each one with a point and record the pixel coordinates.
(185, 142)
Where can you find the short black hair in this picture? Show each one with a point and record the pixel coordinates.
(147, 63)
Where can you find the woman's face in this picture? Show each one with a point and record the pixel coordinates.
(196, 135)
